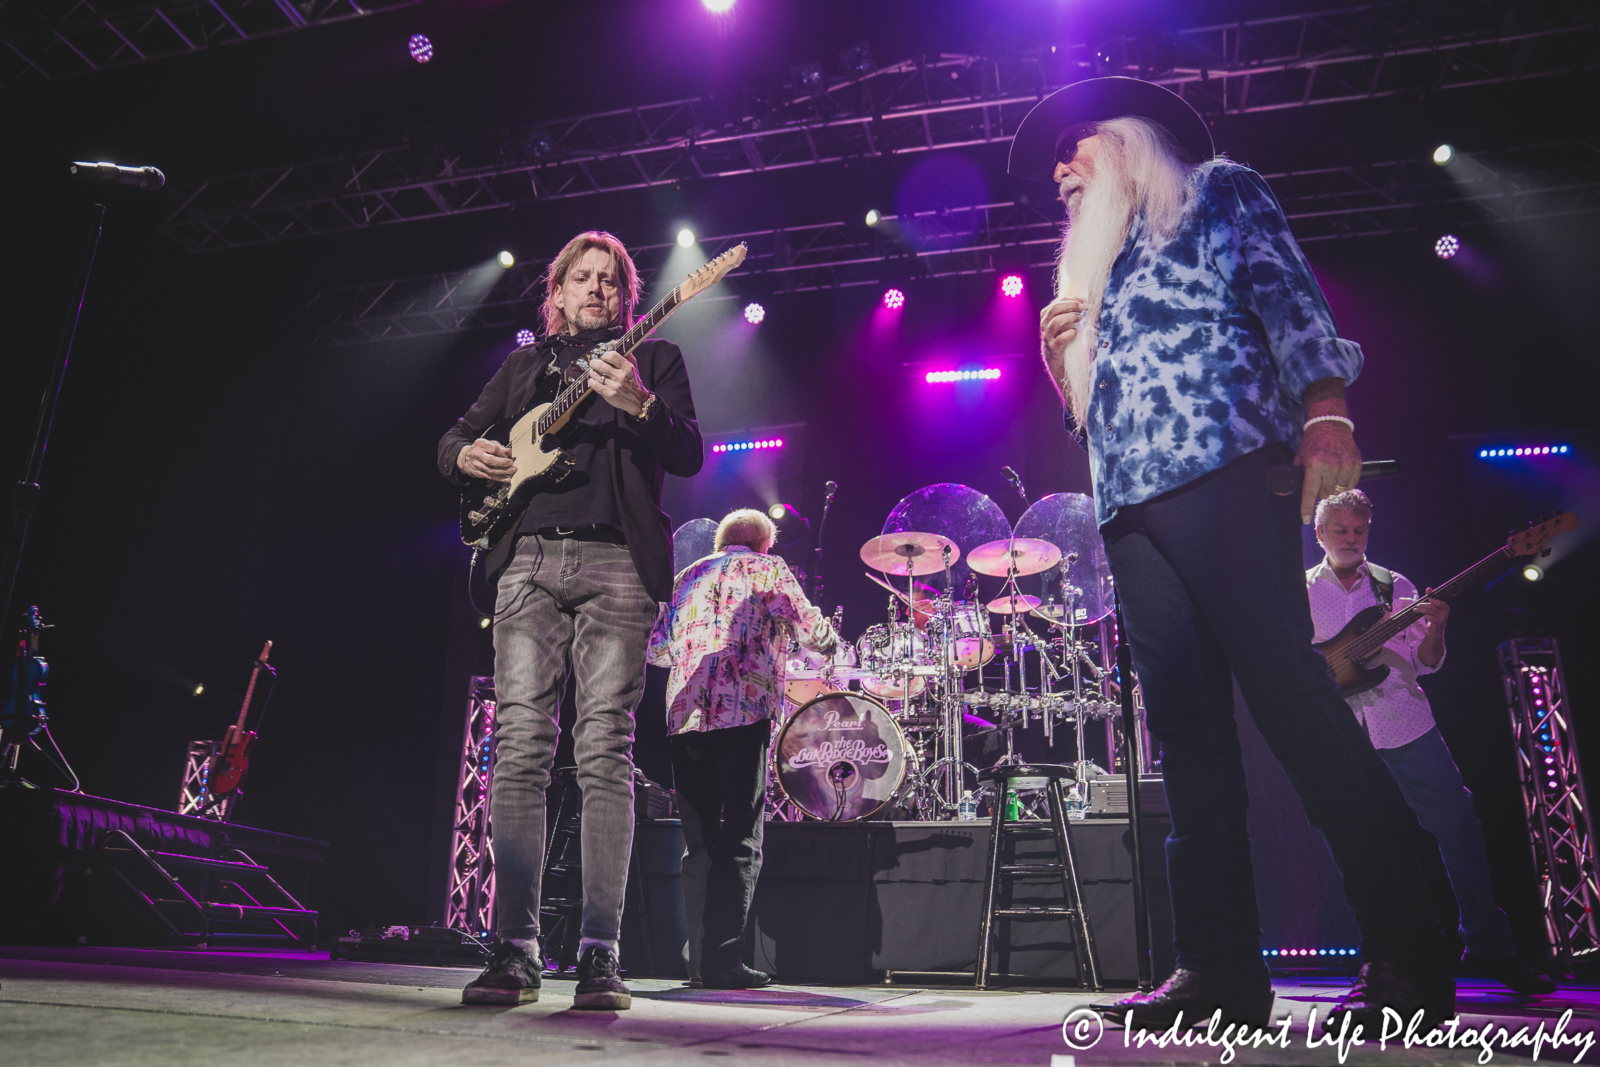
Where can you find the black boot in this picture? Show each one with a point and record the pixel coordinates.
(739, 977)
(1402, 989)
(1197, 996)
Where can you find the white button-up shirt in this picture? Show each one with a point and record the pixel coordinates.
(1396, 712)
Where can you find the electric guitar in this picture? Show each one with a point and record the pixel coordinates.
(1364, 636)
(540, 462)
(229, 765)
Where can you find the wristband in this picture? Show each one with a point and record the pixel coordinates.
(1330, 418)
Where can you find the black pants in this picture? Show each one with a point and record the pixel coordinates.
(1212, 582)
(721, 779)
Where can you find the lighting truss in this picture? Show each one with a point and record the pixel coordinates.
(926, 104)
(469, 907)
(1559, 826)
(194, 797)
(46, 40)
(1397, 196)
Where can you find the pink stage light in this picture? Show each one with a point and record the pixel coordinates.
(524, 337)
(986, 374)
(746, 446)
(420, 47)
(1011, 285)
(754, 314)
(894, 299)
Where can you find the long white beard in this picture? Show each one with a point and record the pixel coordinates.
(1098, 213)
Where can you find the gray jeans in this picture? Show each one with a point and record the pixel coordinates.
(577, 605)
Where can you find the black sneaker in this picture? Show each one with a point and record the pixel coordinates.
(599, 988)
(512, 977)
(1511, 973)
(741, 977)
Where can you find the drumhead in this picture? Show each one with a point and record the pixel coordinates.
(840, 757)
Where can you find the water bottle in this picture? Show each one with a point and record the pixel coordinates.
(967, 809)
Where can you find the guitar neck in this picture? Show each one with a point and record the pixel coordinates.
(250, 690)
(574, 394)
(1375, 638)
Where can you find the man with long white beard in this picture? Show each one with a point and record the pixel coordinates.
(1194, 350)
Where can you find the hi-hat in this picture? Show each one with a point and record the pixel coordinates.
(1016, 555)
(1017, 603)
(908, 553)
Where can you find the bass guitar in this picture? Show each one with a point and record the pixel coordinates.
(229, 765)
(489, 509)
(1364, 636)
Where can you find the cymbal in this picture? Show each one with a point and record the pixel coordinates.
(1007, 605)
(1016, 555)
(908, 553)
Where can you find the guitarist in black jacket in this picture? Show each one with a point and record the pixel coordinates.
(578, 583)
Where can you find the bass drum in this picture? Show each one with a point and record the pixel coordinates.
(841, 757)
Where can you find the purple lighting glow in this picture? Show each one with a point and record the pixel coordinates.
(420, 47)
(1447, 246)
(1011, 285)
(754, 313)
(986, 374)
(746, 446)
(894, 299)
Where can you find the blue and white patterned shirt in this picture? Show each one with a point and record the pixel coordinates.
(1205, 345)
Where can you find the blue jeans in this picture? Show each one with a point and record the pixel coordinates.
(1432, 785)
(566, 605)
(1212, 584)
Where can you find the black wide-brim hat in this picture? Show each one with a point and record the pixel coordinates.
(1066, 112)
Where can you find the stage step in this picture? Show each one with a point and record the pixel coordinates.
(174, 859)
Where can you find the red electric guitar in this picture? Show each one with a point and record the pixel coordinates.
(229, 765)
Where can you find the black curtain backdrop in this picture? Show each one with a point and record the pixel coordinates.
(211, 483)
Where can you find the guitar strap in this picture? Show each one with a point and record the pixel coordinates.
(1382, 585)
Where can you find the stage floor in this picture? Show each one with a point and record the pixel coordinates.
(68, 1006)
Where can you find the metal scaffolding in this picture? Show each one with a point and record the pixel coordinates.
(1559, 826)
(469, 906)
(1397, 196)
(947, 101)
(46, 40)
(195, 797)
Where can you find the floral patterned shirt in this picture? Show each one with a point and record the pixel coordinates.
(1396, 712)
(724, 633)
(1205, 344)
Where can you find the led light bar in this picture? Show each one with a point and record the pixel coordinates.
(1280, 952)
(986, 374)
(746, 446)
(1516, 452)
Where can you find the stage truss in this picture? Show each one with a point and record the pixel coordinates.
(1559, 826)
(469, 906)
(194, 797)
(947, 101)
(47, 40)
(1397, 196)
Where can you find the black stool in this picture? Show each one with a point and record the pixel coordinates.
(1065, 867)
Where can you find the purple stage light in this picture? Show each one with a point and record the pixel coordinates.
(986, 374)
(1011, 285)
(1524, 452)
(1447, 246)
(746, 446)
(524, 337)
(894, 299)
(718, 7)
(754, 313)
(420, 47)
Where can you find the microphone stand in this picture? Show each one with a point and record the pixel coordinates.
(814, 593)
(1131, 762)
(25, 496)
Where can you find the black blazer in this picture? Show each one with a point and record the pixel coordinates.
(668, 442)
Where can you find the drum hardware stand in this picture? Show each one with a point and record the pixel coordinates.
(1131, 765)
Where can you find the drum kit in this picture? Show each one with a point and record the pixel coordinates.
(885, 723)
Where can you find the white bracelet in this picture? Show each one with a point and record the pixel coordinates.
(1330, 418)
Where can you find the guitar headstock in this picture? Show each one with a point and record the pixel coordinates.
(713, 272)
(1527, 542)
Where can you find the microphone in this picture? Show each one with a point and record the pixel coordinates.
(1286, 478)
(143, 177)
(1016, 482)
(832, 488)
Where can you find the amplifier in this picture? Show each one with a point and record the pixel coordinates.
(652, 801)
(1108, 796)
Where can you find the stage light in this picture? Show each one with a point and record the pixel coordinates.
(507, 260)
(718, 7)
(420, 47)
(685, 237)
(1443, 154)
(1524, 452)
(754, 313)
(524, 337)
(485, 622)
(873, 218)
(1011, 285)
(894, 299)
(985, 374)
(1533, 572)
(1447, 246)
(776, 512)
(747, 446)
(200, 689)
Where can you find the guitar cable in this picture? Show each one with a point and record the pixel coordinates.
(538, 563)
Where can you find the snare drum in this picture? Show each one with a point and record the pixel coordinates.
(969, 623)
(841, 757)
